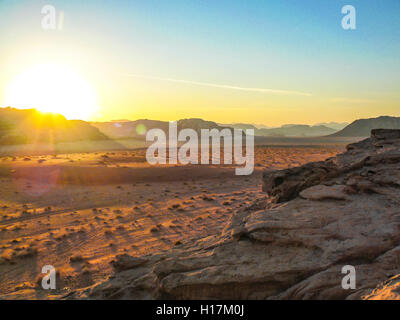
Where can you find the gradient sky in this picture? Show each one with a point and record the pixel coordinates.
(256, 61)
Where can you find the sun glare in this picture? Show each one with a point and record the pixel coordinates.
(53, 88)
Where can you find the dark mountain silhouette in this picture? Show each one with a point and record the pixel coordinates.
(31, 126)
(363, 127)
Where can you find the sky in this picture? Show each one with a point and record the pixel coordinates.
(255, 61)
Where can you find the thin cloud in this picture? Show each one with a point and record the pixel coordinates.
(223, 86)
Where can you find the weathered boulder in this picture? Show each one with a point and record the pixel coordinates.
(126, 262)
(284, 185)
(318, 218)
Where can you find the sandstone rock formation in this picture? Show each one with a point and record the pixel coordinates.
(316, 219)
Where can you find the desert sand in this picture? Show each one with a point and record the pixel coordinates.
(77, 212)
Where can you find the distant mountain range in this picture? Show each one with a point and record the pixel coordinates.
(287, 130)
(363, 127)
(30, 126)
(291, 130)
(138, 128)
(359, 128)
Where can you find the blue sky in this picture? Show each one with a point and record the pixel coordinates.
(283, 45)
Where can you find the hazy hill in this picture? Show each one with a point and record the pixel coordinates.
(129, 129)
(31, 126)
(242, 126)
(300, 130)
(290, 130)
(289, 125)
(286, 130)
(363, 127)
(198, 124)
(334, 125)
(262, 126)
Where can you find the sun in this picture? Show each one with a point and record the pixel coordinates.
(53, 88)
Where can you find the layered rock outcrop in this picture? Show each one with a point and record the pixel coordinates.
(316, 219)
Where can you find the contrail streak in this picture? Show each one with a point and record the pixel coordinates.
(222, 86)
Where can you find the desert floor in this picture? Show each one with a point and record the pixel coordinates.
(76, 212)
